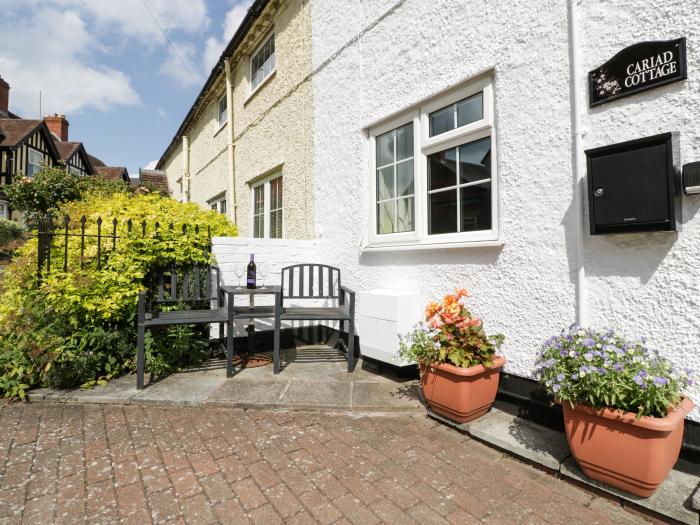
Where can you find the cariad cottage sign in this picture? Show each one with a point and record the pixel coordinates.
(642, 66)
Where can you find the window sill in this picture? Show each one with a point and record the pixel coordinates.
(223, 126)
(260, 86)
(431, 246)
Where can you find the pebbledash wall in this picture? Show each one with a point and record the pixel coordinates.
(375, 59)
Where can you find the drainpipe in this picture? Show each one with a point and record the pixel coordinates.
(579, 167)
(186, 165)
(233, 213)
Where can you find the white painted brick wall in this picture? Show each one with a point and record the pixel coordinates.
(273, 253)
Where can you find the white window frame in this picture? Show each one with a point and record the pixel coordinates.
(263, 81)
(423, 146)
(265, 184)
(31, 150)
(221, 123)
(216, 202)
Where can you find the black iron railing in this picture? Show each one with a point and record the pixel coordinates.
(54, 239)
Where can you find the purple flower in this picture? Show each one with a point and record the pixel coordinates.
(574, 376)
(588, 356)
(639, 378)
(583, 370)
(549, 363)
(563, 353)
(618, 366)
(660, 381)
(601, 371)
(597, 353)
(556, 388)
(588, 342)
(561, 377)
(619, 351)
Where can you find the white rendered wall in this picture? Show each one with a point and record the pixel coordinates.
(273, 253)
(373, 61)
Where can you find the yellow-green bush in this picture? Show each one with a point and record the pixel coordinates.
(77, 327)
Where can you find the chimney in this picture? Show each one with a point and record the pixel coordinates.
(4, 97)
(58, 125)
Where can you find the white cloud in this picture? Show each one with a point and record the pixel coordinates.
(151, 165)
(51, 54)
(186, 74)
(161, 112)
(215, 46)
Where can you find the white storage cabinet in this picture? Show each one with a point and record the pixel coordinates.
(381, 316)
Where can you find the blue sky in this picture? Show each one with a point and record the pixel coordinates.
(106, 65)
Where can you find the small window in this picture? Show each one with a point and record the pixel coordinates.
(218, 204)
(263, 62)
(4, 210)
(268, 209)
(35, 160)
(222, 114)
(461, 113)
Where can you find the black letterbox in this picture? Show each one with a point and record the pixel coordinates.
(632, 185)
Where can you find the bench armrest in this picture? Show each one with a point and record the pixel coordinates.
(347, 290)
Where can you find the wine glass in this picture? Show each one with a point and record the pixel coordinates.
(239, 270)
(262, 271)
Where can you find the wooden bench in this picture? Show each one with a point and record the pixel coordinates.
(315, 282)
(191, 286)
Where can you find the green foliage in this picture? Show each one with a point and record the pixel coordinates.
(12, 234)
(451, 334)
(77, 327)
(45, 191)
(601, 369)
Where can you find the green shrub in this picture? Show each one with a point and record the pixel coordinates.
(77, 327)
(12, 235)
(45, 191)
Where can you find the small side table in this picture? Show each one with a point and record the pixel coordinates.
(251, 311)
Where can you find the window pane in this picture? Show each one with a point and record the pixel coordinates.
(404, 178)
(404, 142)
(276, 224)
(385, 149)
(442, 120)
(259, 198)
(470, 109)
(475, 161)
(385, 183)
(476, 207)
(442, 212)
(276, 193)
(442, 169)
(222, 206)
(258, 227)
(405, 215)
(385, 217)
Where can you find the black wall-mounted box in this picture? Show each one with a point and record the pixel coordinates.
(633, 187)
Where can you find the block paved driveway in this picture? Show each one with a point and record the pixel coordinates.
(131, 464)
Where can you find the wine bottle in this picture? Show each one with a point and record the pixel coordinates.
(250, 280)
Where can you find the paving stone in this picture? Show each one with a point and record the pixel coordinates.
(387, 396)
(522, 438)
(313, 394)
(118, 391)
(695, 502)
(184, 389)
(247, 393)
(668, 500)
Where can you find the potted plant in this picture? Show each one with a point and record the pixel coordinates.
(623, 406)
(458, 363)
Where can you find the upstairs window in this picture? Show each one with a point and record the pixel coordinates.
(34, 162)
(433, 171)
(262, 64)
(222, 116)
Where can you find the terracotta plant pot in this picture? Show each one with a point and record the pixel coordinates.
(461, 394)
(632, 454)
